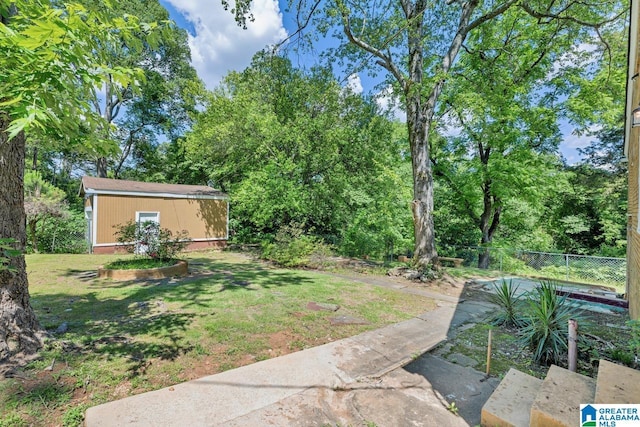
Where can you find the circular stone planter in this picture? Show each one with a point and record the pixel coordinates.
(179, 269)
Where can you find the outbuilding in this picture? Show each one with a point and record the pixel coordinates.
(199, 209)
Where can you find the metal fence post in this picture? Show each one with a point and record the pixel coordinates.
(566, 257)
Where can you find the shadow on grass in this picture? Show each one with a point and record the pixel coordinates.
(138, 320)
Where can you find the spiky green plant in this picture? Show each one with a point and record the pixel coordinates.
(510, 303)
(547, 319)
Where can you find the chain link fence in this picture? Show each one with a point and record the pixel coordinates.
(569, 267)
(65, 235)
(68, 243)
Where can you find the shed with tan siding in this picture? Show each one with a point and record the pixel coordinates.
(200, 210)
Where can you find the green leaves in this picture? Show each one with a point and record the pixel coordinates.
(510, 303)
(547, 317)
(54, 65)
(47, 29)
(294, 147)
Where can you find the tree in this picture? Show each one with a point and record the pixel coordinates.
(41, 202)
(505, 109)
(164, 100)
(589, 216)
(296, 148)
(50, 66)
(417, 43)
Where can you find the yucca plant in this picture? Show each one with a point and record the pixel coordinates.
(510, 303)
(546, 328)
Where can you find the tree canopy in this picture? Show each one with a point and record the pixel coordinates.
(297, 148)
(417, 44)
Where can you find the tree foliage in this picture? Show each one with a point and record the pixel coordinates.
(42, 201)
(163, 101)
(53, 54)
(417, 44)
(296, 148)
(504, 110)
(51, 65)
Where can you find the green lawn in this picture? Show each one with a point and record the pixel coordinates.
(125, 338)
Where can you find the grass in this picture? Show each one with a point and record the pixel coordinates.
(125, 338)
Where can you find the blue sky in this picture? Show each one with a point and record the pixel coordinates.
(219, 46)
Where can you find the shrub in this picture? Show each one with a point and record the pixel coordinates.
(547, 318)
(623, 356)
(516, 265)
(509, 302)
(293, 248)
(149, 240)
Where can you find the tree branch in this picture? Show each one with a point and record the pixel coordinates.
(301, 25)
(488, 16)
(553, 16)
(384, 60)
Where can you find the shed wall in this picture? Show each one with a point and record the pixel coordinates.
(202, 218)
(633, 156)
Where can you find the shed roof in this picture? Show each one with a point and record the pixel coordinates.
(92, 185)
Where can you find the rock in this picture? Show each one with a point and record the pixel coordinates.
(412, 274)
(462, 360)
(318, 306)
(64, 327)
(347, 320)
(138, 305)
(397, 271)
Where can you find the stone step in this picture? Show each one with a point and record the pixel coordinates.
(617, 384)
(510, 403)
(557, 403)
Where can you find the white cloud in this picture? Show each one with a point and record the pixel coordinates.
(219, 45)
(354, 83)
(571, 141)
(388, 101)
(576, 141)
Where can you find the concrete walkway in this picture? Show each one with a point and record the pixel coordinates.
(353, 381)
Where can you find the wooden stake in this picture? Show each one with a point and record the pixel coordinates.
(489, 353)
(573, 347)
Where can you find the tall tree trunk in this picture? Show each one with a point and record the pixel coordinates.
(420, 110)
(422, 204)
(419, 116)
(101, 167)
(492, 208)
(489, 221)
(19, 328)
(34, 159)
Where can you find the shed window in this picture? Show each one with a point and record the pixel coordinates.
(142, 217)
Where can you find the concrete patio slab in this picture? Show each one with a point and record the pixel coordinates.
(320, 374)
